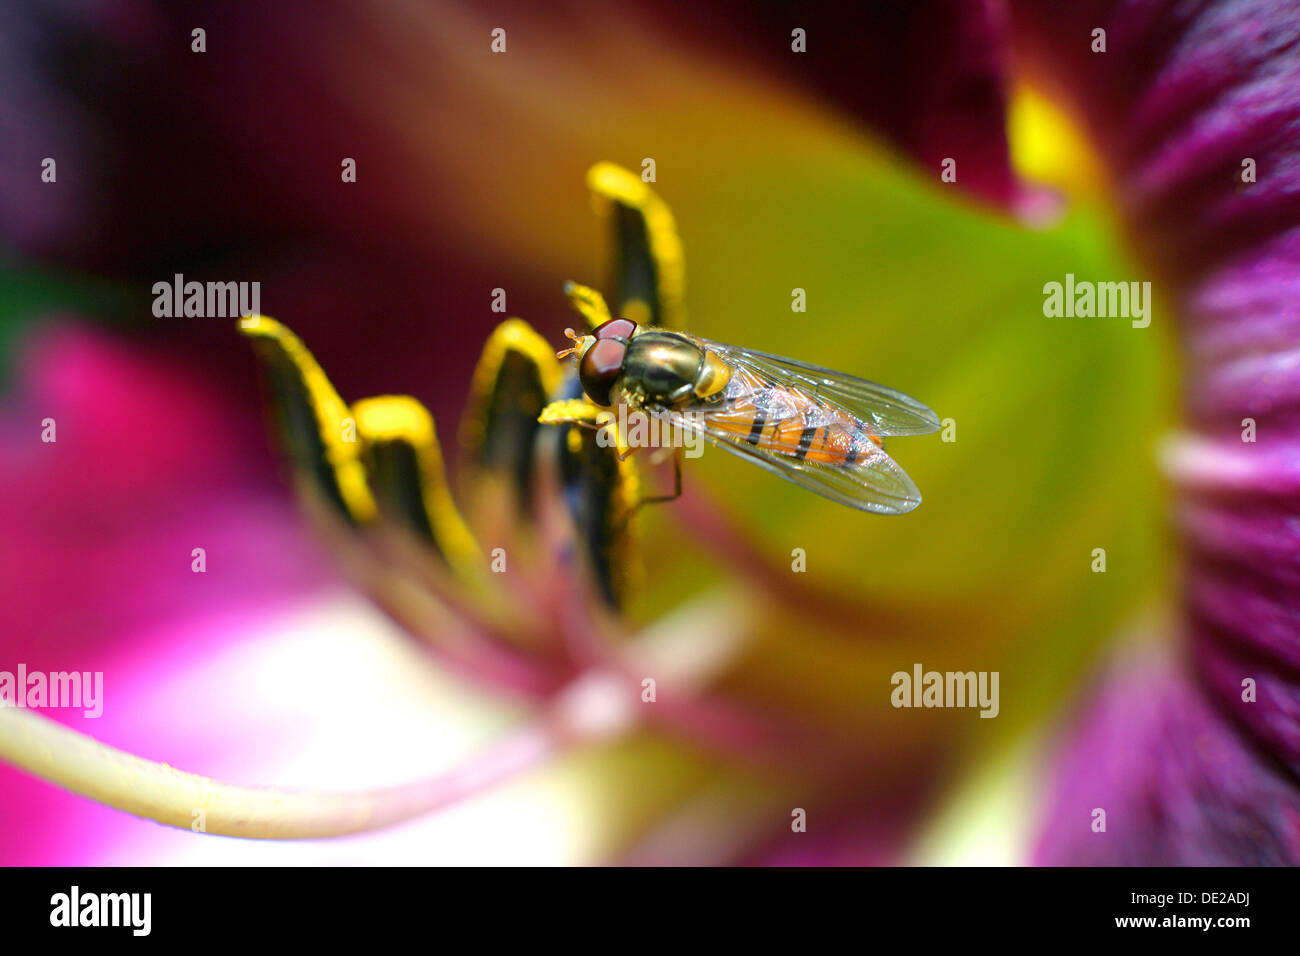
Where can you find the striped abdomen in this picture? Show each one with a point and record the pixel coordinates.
(790, 422)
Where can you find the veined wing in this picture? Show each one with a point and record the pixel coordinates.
(872, 482)
(884, 411)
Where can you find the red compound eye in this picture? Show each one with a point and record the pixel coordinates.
(602, 364)
(615, 329)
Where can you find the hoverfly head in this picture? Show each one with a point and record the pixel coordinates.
(600, 356)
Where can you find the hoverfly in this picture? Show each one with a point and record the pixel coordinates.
(821, 429)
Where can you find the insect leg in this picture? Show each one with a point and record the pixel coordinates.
(677, 485)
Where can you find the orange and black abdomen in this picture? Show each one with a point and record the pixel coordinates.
(790, 422)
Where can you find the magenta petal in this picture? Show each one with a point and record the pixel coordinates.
(1196, 108)
(1176, 784)
(1248, 687)
(149, 463)
(147, 466)
(1221, 601)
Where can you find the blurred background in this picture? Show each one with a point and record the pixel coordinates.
(816, 170)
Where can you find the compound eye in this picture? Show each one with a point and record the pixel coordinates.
(614, 329)
(600, 367)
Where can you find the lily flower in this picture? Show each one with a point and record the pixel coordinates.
(453, 663)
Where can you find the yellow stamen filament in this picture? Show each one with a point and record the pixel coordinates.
(162, 793)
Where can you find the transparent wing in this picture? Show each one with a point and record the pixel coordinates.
(884, 411)
(873, 483)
